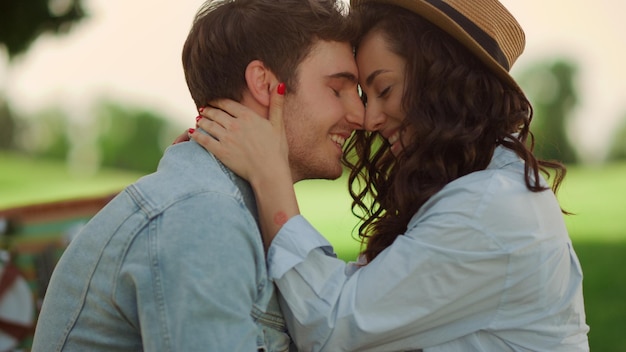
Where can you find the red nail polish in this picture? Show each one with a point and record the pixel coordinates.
(198, 118)
(191, 130)
(201, 109)
(281, 89)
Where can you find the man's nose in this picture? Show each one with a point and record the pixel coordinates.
(355, 112)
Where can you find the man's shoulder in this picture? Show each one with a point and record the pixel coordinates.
(184, 173)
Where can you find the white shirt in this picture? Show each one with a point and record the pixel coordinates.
(485, 265)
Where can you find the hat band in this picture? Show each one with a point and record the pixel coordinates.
(481, 37)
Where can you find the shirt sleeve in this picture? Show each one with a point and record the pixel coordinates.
(284, 253)
(196, 278)
(408, 297)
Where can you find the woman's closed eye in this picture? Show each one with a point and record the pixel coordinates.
(384, 92)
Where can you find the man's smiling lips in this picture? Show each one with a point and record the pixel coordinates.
(338, 139)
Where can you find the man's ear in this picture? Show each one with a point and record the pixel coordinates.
(260, 81)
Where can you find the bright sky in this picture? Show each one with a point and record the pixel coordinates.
(131, 51)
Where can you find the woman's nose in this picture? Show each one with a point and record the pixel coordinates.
(374, 118)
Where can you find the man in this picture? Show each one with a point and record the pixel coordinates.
(176, 261)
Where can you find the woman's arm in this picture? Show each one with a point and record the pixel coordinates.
(262, 160)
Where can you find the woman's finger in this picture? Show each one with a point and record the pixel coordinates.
(230, 108)
(213, 128)
(217, 115)
(208, 142)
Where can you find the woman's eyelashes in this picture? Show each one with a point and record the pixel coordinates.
(384, 92)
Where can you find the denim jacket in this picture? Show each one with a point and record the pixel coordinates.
(174, 263)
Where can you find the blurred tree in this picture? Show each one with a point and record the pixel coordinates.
(45, 134)
(550, 87)
(132, 139)
(7, 126)
(617, 149)
(21, 22)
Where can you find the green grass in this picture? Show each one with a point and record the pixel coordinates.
(597, 195)
(26, 181)
(598, 229)
(604, 287)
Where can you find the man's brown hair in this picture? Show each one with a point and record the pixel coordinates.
(228, 34)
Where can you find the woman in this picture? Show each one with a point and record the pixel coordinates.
(465, 245)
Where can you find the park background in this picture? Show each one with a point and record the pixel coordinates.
(92, 92)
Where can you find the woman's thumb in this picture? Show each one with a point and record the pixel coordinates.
(277, 100)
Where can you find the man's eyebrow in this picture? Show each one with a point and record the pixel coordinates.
(344, 75)
(373, 75)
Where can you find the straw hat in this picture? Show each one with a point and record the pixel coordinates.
(485, 27)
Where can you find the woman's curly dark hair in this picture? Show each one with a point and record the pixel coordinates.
(459, 112)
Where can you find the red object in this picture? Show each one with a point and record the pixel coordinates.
(281, 89)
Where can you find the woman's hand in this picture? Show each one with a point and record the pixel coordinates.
(251, 146)
(255, 149)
